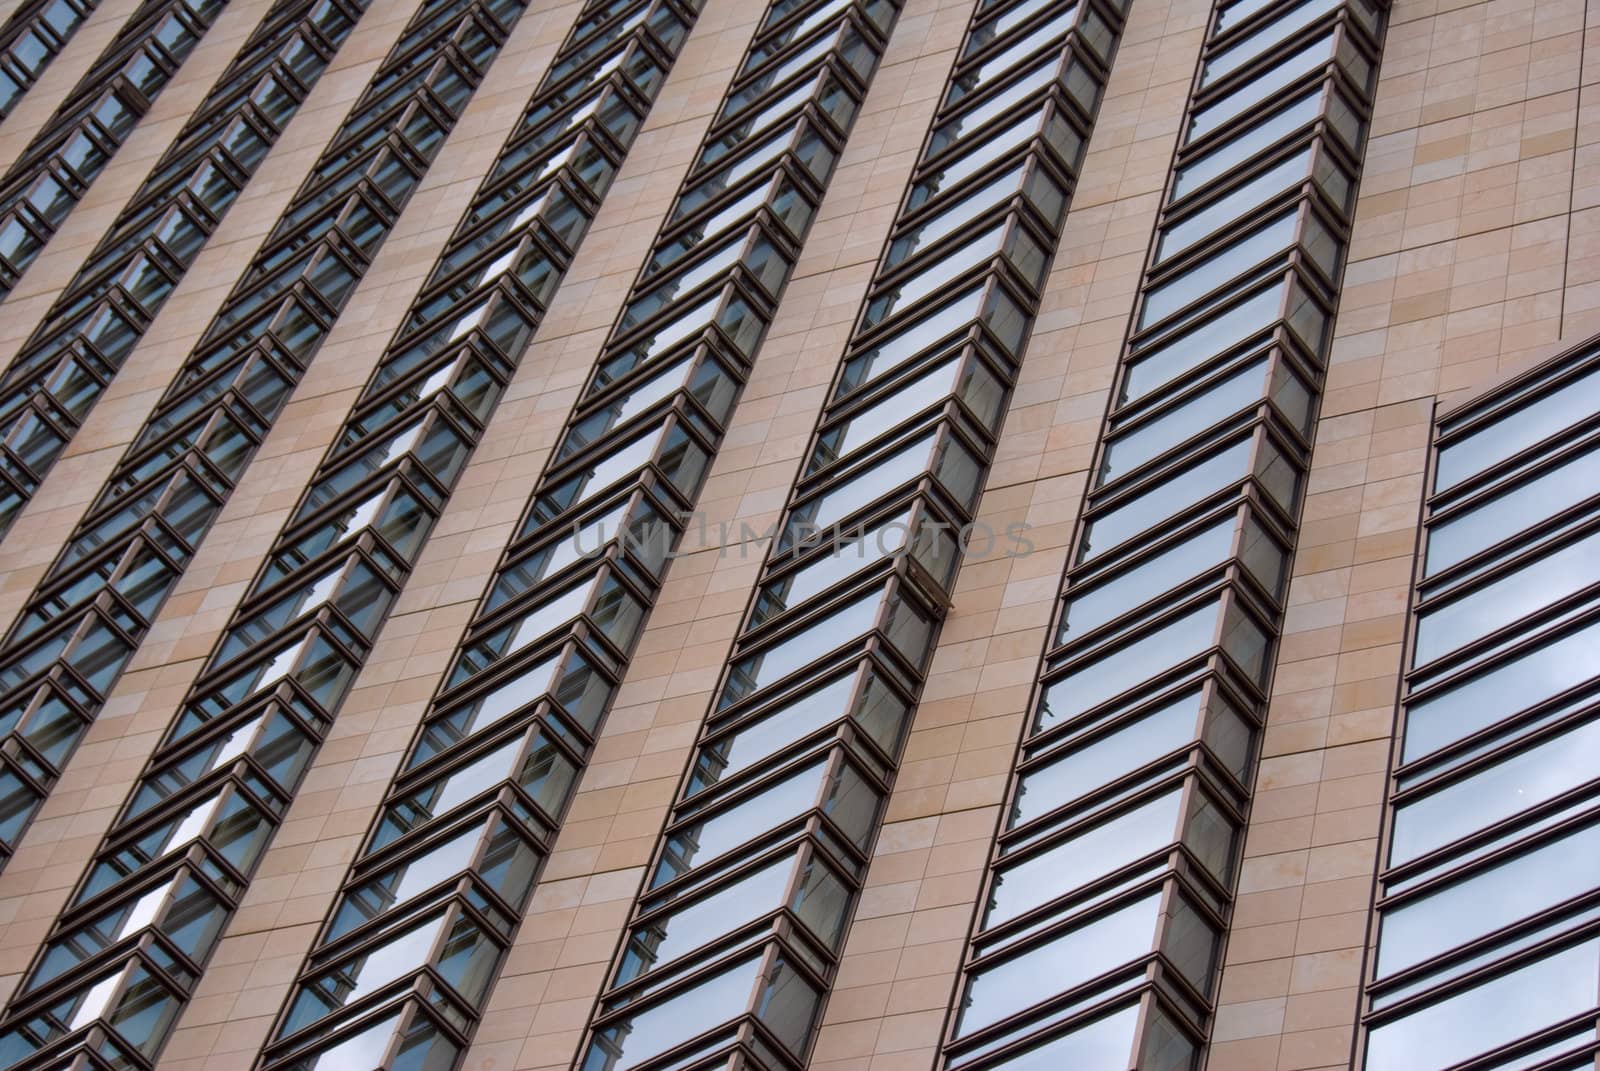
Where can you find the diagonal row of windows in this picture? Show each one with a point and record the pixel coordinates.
(1112, 877)
(32, 37)
(70, 358)
(95, 605)
(152, 906)
(429, 908)
(90, 610)
(76, 143)
(69, 361)
(735, 939)
(1488, 937)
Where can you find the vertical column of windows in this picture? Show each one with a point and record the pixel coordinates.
(1488, 937)
(33, 36)
(1110, 887)
(205, 808)
(69, 360)
(430, 906)
(79, 140)
(736, 936)
(87, 617)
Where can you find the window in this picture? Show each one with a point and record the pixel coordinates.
(1490, 899)
(78, 141)
(154, 241)
(1492, 1013)
(1066, 778)
(1493, 800)
(422, 1046)
(37, 32)
(1067, 960)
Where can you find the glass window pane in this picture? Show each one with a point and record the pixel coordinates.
(969, 208)
(1488, 697)
(1221, 161)
(1122, 668)
(851, 556)
(1514, 509)
(1261, 89)
(1093, 606)
(446, 791)
(655, 1029)
(1166, 499)
(1066, 960)
(705, 840)
(868, 486)
(362, 974)
(971, 159)
(404, 881)
(1204, 223)
(757, 671)
(1263, 39)
(980, 75)
(1491, 1013)
(1490, 899)
(697, 924)
(906, 342)
(1151, 439)
(1183, 350)
(934, 277)
(1101, 849)
(793, 719)
(1517, 429)
(844, 439)
(1505, 788)
(1105, 1042)
(1513, 595)
(1201, 278)
(1108, 757)
(953, 130)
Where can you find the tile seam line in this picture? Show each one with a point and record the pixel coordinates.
(1572, 181)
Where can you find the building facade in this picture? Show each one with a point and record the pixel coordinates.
(922, 535)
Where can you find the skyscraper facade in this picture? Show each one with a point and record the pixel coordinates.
(911, 535)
